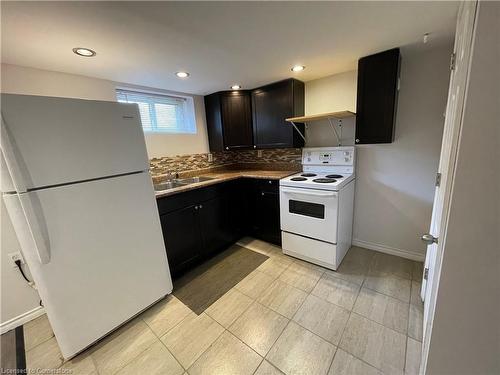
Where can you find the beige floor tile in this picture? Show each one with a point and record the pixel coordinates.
(355, 265)
(121, 347)
(383, 309)
(391, 285)
(334, 290)
(413, 354)
(346, 364)
(307, 268)
(417, 271)
(299, 351)
(259, 327)
(360, 255)
(229, 307)
(353, 271)
(323, 318)
(415, 293)
(155, 360)
(375, 344)
(302, 281)
(189, 339)
(37, 331)
(254, 284)
(165, 315)
(283, 298)
(82, 364)
(273, 267)
(255, 245)
(227, 356)
(386, 264)
(415, 323)
(44, 356)
(266, 368)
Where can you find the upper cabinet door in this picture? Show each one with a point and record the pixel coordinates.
(377, 97)
(236, 120)
(229, 120)
(271, 105)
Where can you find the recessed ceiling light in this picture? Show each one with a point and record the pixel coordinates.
(182, 74)
(298, 68)
(235, 87)
(85, 52)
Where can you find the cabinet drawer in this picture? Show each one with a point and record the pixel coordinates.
(269, 186)
(177, 201)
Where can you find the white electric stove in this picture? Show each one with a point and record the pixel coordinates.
(316, 206)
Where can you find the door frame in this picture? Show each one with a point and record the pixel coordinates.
(453, 137)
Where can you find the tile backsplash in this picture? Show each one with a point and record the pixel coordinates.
(281, 159)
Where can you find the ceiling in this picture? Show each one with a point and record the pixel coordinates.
(218, 43)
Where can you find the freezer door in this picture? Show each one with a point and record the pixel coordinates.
(107, 256)
(58, 140)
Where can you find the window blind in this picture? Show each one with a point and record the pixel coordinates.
(159, 113)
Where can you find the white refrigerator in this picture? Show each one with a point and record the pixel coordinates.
(76, 184)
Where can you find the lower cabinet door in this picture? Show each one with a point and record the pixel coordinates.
(267, 217)
(214, 225)
(182, 238)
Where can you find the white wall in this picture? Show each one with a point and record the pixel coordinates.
(394, 182)
(465, 337)
(22, 80)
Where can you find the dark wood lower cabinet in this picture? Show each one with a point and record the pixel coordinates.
(199, 223)
(182, 238)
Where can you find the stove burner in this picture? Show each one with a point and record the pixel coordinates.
(334, 176)
(324, 180)
(308, 174)
(298, 179)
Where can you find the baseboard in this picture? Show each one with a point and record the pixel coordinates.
(389, 250)
(21, 319)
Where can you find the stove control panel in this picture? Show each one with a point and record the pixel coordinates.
(328, 156)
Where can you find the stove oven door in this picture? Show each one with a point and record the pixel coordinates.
(309, 212)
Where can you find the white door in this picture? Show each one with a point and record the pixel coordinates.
(454, 109)
(54, 141)
(105, 257)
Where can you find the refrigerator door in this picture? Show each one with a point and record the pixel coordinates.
(55, 141)
(107, 256)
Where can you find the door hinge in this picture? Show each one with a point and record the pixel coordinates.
(426, 273)
(452, 61)
(438, 179)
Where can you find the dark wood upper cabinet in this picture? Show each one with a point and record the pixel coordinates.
(271, 105)
(229, 120)
(256, 119)
(377, 97)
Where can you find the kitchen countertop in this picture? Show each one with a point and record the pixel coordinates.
(223, 176)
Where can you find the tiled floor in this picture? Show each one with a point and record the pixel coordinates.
(287, 316)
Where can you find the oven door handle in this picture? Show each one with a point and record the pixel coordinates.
(316, 193)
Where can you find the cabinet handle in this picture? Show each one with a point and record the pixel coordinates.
(269, 182)
(254, 146)
(262, 194)
(195, 207)
(200, 206)
(357, 140)
(227, 148)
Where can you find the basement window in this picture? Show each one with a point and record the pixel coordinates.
(161, 113)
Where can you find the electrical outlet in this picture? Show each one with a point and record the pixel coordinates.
(259, 153)
(15, 257)
(210, 158)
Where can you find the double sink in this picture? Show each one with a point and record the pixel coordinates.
(177, 182)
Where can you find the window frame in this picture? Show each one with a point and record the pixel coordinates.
(190, 126)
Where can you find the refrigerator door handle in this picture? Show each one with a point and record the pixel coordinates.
(36, 225)
(13, 165)
(33, 216)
